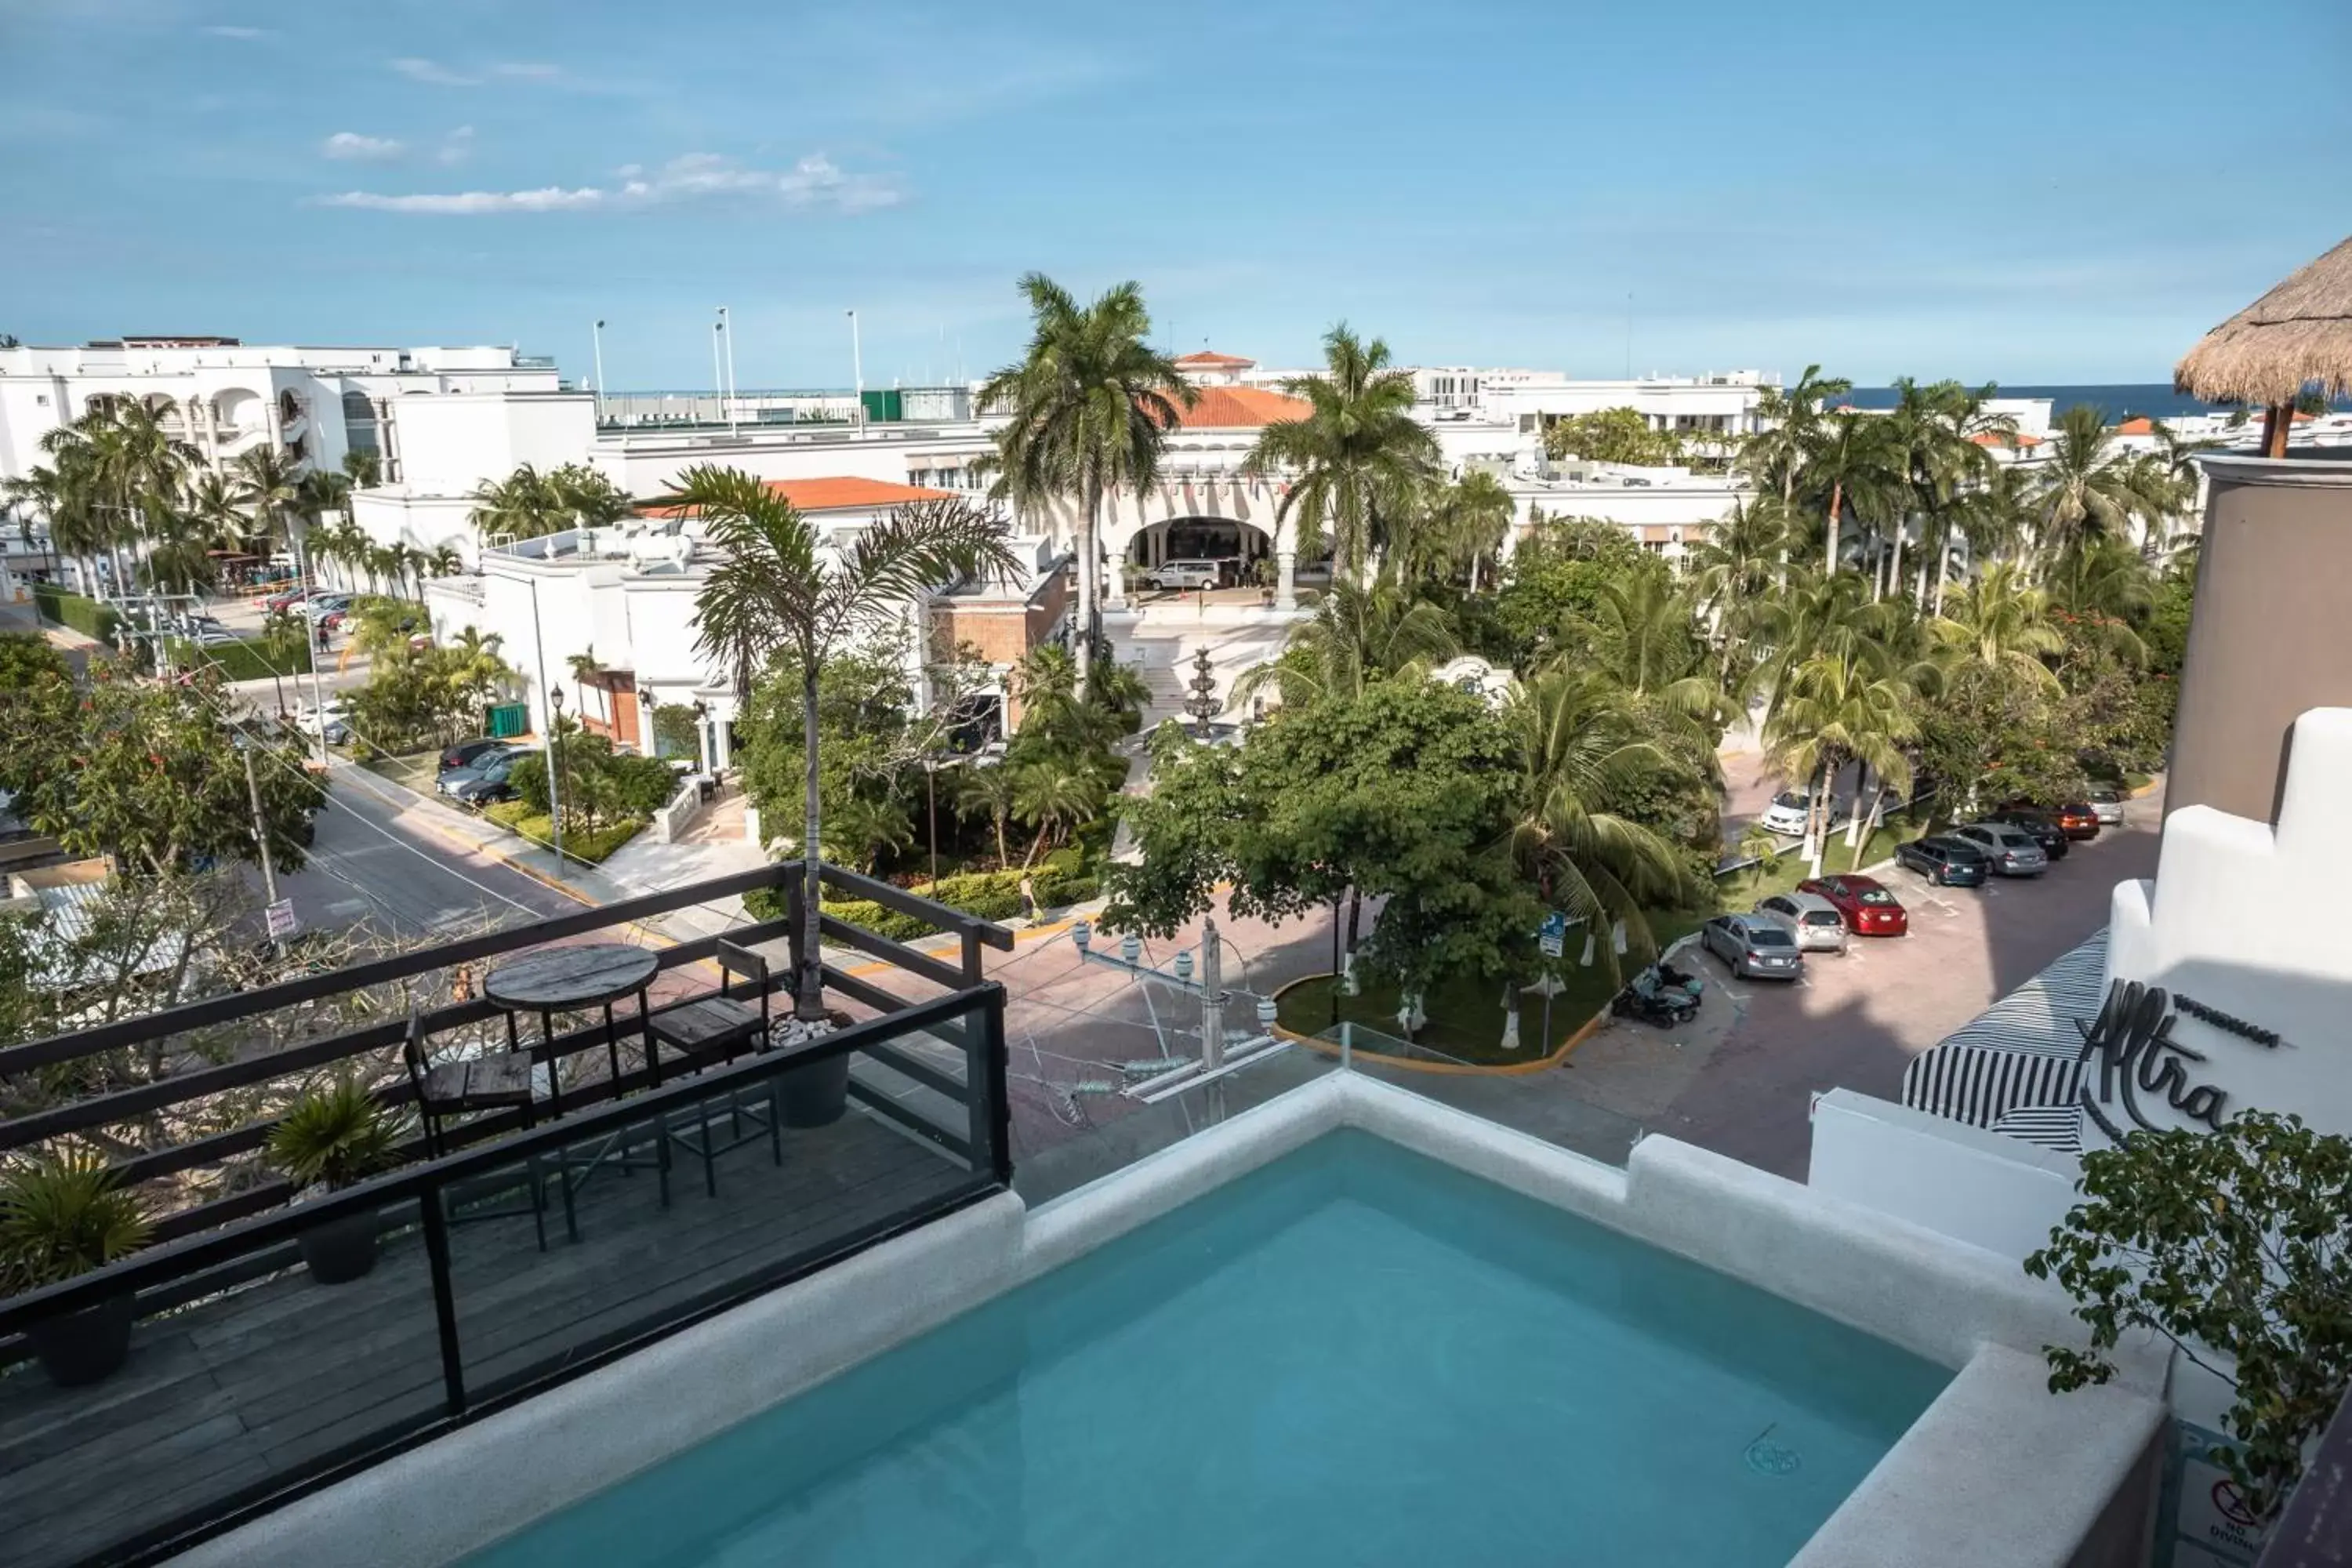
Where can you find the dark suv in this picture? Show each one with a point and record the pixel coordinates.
(1947, 862)
(2040, 825)
(472, 753)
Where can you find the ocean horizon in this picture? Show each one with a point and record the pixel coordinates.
(2115, 403)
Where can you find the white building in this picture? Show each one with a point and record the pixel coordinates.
(624, 598)
(226, 398)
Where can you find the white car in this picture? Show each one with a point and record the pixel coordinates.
(2107, 805)
(1182, 575)
(331, 720)
(1786, 814)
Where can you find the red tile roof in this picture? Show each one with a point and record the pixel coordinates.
(1240, 409)
(2142, 426)
(1996, 438)
(838, 493)
(1205, 358)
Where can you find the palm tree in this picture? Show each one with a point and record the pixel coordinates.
(1734, 572)
(363, 469)
(1790, 429)
(523, 505)
(1580, 747)
(1052, 795)
(1357, 636)
(179, 549)
(1987, 521)
(1999, 626)
(269, 488)
(2102, 586)
(858, 829)
(476, 673)
(989, 791)
(1092, 404)
(1841, 709)
(780, 590)
(1456, 528)
(2177, 456)
(1854, 463)
(1645, 638)
(586, 497)
(2089, 488)
(444, 560)
(213, 502)
(1358, 460)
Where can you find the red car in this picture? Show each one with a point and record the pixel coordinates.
(1869, 909)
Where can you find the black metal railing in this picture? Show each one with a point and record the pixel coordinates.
(524, 1254)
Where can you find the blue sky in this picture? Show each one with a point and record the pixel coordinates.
(2057, 192)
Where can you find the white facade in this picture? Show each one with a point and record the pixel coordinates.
(226, 398)
(444, 446)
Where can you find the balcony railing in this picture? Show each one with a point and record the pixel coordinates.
(521, 1256)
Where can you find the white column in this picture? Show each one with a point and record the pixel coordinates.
(1117, 581)
(1286, 589)
(269, 418)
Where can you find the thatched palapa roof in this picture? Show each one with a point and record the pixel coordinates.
(2299, 333)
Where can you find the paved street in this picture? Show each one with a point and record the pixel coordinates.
(377, 861)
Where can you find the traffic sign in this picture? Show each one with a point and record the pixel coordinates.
(282, 923)
(1552, 935)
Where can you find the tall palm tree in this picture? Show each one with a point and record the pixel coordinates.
(1580, 747)
(1997, 628)
(269, 488)
(1454, 529)
(1856, 464)
(1358, 460)
(780, 590)
(179, 546)
(1092, 404)
(1791, 427)
(1646, 639)
(2105, 585)
(1357, 636)
(2176, 456)
(476, 675)
(1053, 795)
(2090, 488)
(988, 791)
(524, 505)
(1841, 709)
(1733, 573)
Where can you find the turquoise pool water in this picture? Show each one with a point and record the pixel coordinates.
(1353, 1356)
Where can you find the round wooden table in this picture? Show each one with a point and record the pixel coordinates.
(567, 980)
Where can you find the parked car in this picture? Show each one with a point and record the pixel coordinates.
(1812, 919)
(278, 603)
(331, 720)
(468, 753)
(1182, 575)
(1786, 814)
(2077, 819)
(2107, 805)
(1945, 861)
(482, 785)
(1867, 909)
(2008, 850)
(1753, 946)
(319, 604)
(2040, 826)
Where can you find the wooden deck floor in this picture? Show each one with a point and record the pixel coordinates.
(254, 1385)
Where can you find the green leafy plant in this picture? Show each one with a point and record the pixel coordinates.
(63, 1216)
(2235, 1246)
(337, 1134)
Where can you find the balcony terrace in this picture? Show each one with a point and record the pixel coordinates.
(248, 1380)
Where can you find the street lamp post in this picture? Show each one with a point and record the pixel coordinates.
(596, 335)
(717, 370)
(732, 410)
(857, 371)
(554, 772)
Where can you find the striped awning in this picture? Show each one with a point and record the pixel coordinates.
(2015, 1068)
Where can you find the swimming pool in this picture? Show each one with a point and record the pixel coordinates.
(1353, 1354)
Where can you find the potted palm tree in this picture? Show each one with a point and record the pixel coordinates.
(61, 1217)
(334, 1137)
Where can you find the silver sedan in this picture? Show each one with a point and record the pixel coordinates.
(1753, 946)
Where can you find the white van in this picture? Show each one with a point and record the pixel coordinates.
(1182, 575)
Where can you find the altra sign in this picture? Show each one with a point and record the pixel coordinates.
(2131, 1062)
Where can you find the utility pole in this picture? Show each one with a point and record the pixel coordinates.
(550, 699)
(1212, 999)
(857, 370)
(733, 405)
(717, 370)
(596, 334)
(261, 827)
(299, 532)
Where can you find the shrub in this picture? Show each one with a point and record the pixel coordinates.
(87, 616)
(1063, 891)
(63, 1216)
(337, 1134)
(593, 846)
(239, 660)
(642, 786)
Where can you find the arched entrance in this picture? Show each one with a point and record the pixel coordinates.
(1236, 546)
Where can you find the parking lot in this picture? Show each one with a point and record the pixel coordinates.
(1740, 1079)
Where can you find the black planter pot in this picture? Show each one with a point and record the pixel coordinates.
(340, 1250)
(816, 1095)
(83, 1347)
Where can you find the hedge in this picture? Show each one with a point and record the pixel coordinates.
(239, 660)
(87, 616)
(593, 847)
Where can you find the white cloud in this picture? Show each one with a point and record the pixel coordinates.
(244, 35)
(457, 147)
(431, 73)
(549, 199)
(816, 182)
(351, 144)
(532, 70)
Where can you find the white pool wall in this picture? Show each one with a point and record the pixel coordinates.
(2077, 1469)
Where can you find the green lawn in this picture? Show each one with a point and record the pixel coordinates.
(417, 770)
(1465, 1017)
(1742, 889)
